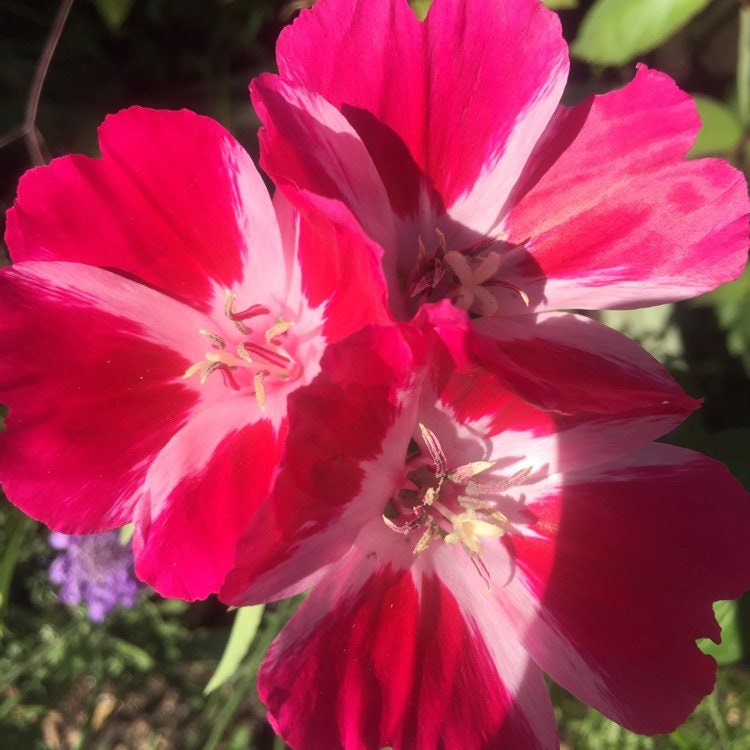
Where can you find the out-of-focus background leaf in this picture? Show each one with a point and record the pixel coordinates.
(616, 31)
(721, 132)
(114, 12)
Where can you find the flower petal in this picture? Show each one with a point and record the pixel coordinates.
(571, 364)
(337, 465)
(90, 368)
(214, 475)
(424, 99)
(625, 563)
(639, 227)
(338, 266)
(175, 201)
(376, 658)
(308, 145)
(103, 429)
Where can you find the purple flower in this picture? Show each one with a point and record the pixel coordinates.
(95, 569)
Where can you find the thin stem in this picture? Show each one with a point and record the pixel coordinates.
(743, 67)
(31, 133)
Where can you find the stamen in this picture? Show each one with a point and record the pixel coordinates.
(434, 449)
(465, 472)
(507, 285)
(273, 358)
(276, 330)
(197, 367)
(214, 338)
(251, 312)
(469, 517)
(259, 356)
(260, 391)
(474, 269)
(496, 488)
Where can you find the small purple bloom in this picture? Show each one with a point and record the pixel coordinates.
(95, 569)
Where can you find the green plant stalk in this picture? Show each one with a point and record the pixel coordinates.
(715, 713)
(9, 561)
(743, 67)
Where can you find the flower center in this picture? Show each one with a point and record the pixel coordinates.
(260, 351)
(448, 504)
(465, 276)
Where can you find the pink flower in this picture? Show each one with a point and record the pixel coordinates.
(462, 541)
(159, 312)
(446, 140)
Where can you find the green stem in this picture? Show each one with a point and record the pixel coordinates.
(718, 720)
(10, 559)
(743, 67)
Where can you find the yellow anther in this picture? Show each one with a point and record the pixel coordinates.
(277, 330)
(260, 391)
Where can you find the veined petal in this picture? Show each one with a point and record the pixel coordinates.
(308, 145)
(641, 226)
(392, 660)
(517, 415)
(624, 563)
(174, 201)
(336, 266)
(571, 364)
(213, 475)
(91, 368)
(424, 100)
(338, 469)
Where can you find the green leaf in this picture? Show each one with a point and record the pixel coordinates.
(732, 304)
(730, 649)
(114, 12)
(614, 32)
(19, 526)
(244, 628)
(126, 533)
(134, 654)
(560, 4)
(652, 327)
(721, 132)
(420, 7)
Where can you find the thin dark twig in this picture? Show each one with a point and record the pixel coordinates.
(28, 130)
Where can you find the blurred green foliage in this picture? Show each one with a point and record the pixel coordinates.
(616, 31)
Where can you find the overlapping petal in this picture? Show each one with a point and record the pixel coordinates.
(401, 73)
(638, 227)
(174, 201)
(348, 431)
(379, 657)
(572, 364)
(160, 311)
(625, 562)
(593, 206)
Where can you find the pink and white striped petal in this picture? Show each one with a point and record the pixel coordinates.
(639, 227)
(102, 426)
(91, 369)
(399, 90)
(174, 201)
(381, 656)
(618, 574)
(571, 364)
(309, 146)
(199, 496)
